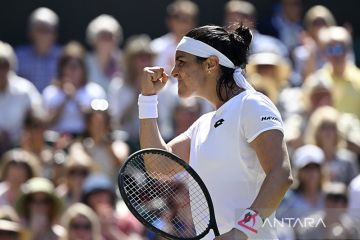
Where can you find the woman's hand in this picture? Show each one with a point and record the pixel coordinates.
(154, 80)
(233, 234)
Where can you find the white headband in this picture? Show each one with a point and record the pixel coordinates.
(201, 49)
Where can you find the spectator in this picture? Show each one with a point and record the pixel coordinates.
(39, 208)
(99, 194)
(37, 61)
(17, 166)
(354, 199)
(10, 228)
(80, 222)
(124, 92)
(339, 71)
(336, 223)
(107, 153)
(32, 140)
(181, 17)
(15, 93)
(286, 23)
(323, 131)
(314, 94)
(69, 97)
(78, 166)
(104, 34)
(307, 196)
(308, 56)
(186, 112)
(237, 12)
(275, 69)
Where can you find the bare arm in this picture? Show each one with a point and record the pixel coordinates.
(150, 137)
(272, 154)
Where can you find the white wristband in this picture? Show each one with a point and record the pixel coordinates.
(249, 223)
(148, 106)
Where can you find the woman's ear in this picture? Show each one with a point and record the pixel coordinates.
(212, 63)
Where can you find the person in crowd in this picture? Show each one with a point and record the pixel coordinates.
(339, 71)
(17, 166)
(308, 57)
(37, 61)
(124, 91)
(99, 194)
(69, 97)
(314, 94)
(33, 140)
(78, 165)
(181, 17)
(10, 227)
(354, 199)
(80, 222)
(323, 131)
(107, 152)
(18, 99)
(286, 23)
(39, 208)
(104, 34)
(270, 67)
(307, 195)
(236, 12)
(333, 222)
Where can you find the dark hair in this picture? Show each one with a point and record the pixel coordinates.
(234, 45)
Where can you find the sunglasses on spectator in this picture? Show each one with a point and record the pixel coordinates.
(78, 172)
(335, 50)
(328, 126)
(80, 226)
(40, 201)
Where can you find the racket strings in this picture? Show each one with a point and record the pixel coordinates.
(166, 196)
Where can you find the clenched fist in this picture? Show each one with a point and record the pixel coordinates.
(154, 80)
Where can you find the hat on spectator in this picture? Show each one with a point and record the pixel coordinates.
(308, 154)
(104, 23)
(38, 185)
(7, 55)
(318, 12)
(45, 16)
(241, 7)
(9, 220)
(267, 53)
(96, 183)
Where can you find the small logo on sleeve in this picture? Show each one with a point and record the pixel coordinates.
(269, 118)
(219, 122)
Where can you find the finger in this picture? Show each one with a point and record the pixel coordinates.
(164, 78)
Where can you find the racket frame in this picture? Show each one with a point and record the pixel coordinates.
(212, 224)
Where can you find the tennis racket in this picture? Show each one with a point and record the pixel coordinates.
(165, 194)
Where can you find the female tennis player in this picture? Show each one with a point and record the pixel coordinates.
(238, 150)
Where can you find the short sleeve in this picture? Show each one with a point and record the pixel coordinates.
(258, 115)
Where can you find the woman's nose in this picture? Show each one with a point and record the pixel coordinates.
(174, 72)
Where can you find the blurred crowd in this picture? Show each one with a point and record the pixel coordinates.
(69, 119)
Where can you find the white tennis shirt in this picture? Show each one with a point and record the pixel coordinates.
(220, 153)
